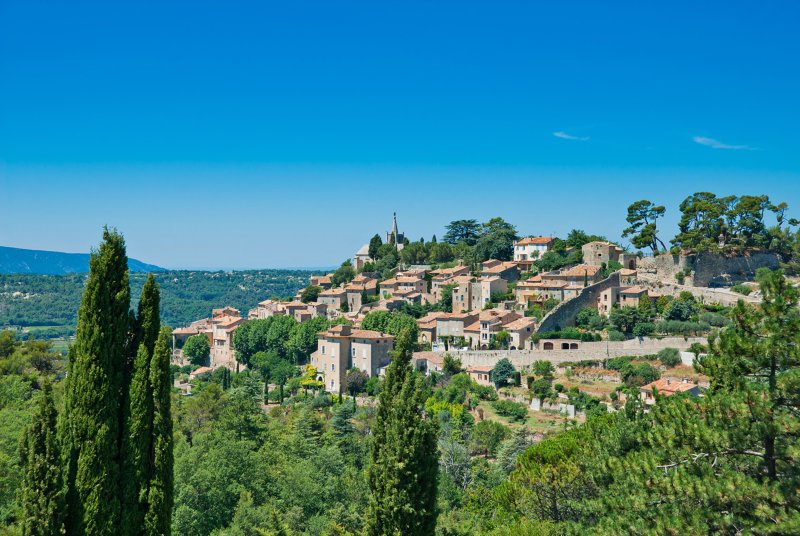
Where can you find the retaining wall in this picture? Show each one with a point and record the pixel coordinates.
(563, 314)
(707, 269)
(586, 351)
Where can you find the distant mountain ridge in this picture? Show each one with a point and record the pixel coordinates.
(33, 261)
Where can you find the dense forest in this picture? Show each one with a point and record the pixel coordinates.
(111, 448)
(320, 464)
(51, 301)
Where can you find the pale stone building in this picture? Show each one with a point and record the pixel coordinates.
(344, 347)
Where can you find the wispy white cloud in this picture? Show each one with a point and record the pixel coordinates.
(564, 136)
(716, 144)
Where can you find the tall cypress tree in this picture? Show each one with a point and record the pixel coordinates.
(41, 495)
(90, 429)
(138, 426)
(160, 480)
(403, 473)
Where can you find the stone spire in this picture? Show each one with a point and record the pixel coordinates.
(394, 225)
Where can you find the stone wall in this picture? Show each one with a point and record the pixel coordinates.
(714, 270)
(586, 351)
(563, 314)
(707, 269)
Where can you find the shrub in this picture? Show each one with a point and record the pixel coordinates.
(512, 410)
(616, 363)
(484, 392)
(741, 289)
(321, 401)
(644, 329)
(679, 310)
(639, 374)
(714, 319)
(614, 335)
(669, 357)
(373, 386)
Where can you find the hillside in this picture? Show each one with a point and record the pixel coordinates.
(33, 261)
(52, 300)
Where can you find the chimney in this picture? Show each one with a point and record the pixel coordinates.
(666, 382)
(685, 380)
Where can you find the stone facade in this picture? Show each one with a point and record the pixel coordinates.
(706, 269)
(563, 314)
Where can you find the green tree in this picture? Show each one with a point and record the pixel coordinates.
(548, 483)
(502, 370)
(702, 222)
(758, 358)
(375, 244)
(642, 217)
(262, 335)
(93, 395)
(41, 492)
(197, 350)
(355, 380)
(496, 241)
(624, 318)
(543, 368)
(137, 426)
(669, 357)
(343, 274)
(160, 499)
(310, 294)
(502, 338)
(303, 339)
(467, 231)
(487, 437)
(403, 473)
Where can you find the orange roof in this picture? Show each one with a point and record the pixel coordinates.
(520, 323)
(668, 387)
(340, 330)
(627, 271)
(541, 240)
(580, 270)
(633, 290)
(479, 368)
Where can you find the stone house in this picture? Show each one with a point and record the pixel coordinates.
(532, 247)
(481, 374)
(444, 277)
(667, 387)
(451, 326)
(482, 332)
(520, 330)
(323, 281)
(333, 298)
(181, 335)
(503, 270)
(343, 347)
(474, 295)
(223, 326)
(427, 327)
(598, 253)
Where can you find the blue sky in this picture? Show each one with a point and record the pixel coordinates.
(268, 134)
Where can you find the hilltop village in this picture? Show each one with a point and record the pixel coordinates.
(575, 303)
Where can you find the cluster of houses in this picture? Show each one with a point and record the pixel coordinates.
(483, 306)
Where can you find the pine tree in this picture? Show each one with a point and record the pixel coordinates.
(160, 482)
(403, 473)
(90, 430)
(138, 425)
(41, 494)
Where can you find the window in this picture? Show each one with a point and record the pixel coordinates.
(333, 366)
(323, 349)
(354, 352)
